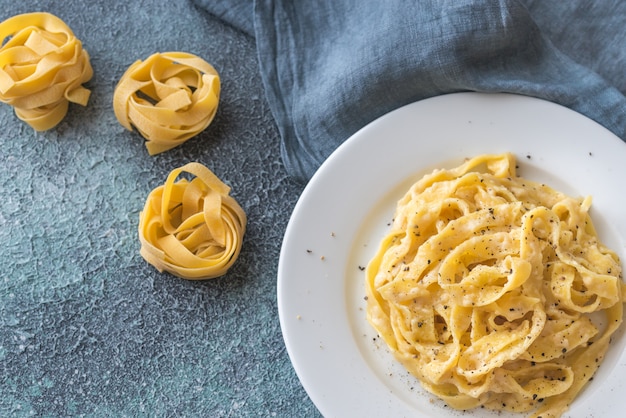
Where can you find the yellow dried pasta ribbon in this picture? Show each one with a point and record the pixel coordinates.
(169, 98)
(42, 68)
(192, 229)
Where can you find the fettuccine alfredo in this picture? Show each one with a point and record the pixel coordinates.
(488, 289)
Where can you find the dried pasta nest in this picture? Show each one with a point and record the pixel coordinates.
(42, 68)
(169, 98)
(192, 228)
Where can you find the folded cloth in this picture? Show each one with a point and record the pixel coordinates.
(330, 67)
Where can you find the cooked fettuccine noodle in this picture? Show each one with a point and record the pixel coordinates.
(192, 228)
(488, 287)
(42, 68)
(170, 97)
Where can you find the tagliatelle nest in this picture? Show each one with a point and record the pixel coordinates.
(169, 98)
(192, 228)
(42, 68)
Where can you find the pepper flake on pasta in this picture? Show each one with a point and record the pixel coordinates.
(42, 68)
(169, 98)
(192, 228)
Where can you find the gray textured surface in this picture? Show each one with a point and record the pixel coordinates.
(86, 326)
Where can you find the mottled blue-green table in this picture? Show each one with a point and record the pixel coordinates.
(87, 328)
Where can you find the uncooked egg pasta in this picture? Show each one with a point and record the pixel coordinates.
(169, 98)
(192, 228)
(42, 68)
(489, 287)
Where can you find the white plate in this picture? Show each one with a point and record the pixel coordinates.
(344, 212)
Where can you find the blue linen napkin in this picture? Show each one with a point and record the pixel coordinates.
(330, 67)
